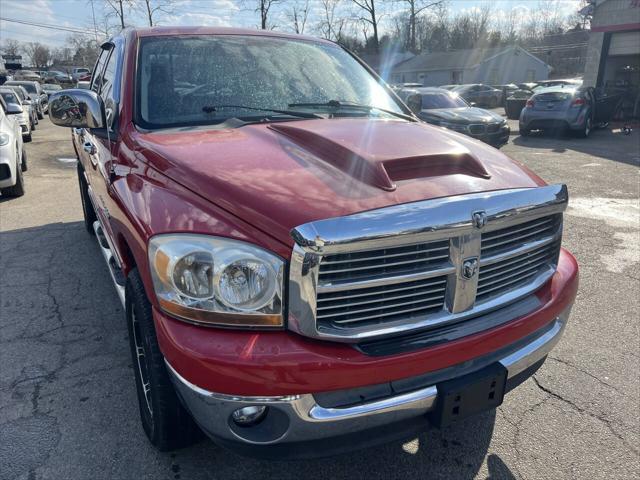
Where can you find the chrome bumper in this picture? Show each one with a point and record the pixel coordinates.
(299, 418)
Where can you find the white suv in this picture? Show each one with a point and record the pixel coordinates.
(13, 159)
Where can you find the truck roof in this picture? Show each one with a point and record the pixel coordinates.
(183, 30)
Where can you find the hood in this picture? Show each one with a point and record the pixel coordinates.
(281, 175)
(461, 115)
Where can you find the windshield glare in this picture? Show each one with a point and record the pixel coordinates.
(9, 97)
(179, 76)
(442, 100)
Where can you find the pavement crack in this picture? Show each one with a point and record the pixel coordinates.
(575, 367)
(608, 423)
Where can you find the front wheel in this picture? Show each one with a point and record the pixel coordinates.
(524, 132)
(165, 421)
(40, 114)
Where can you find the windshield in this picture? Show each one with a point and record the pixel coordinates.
(28, 86)
(18, 92)
(442, 100)
(9, 98)
(199, 80)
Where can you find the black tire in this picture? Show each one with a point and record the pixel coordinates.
(25, 167)
(40, 114)
(27, 138)
(87, 207)
(524, 132)
(586, 128)
(33, 126)
(165, 421)
(16, 190)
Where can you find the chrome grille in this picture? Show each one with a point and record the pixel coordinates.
(512, 272)
(385, 303)
(424, 264)
(508, 239)
(401, 260)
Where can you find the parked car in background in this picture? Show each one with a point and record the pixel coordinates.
(527, 86)
(449, 87)
(13, 158)
(50, 88)
(29, 75)
(84, 85)
(515, 102)
(55, 76)
(36, 94)
(27, 103)
(506, 90)
(341, 275)
(85, 77)
(14, 105)
(478, 94)
(76, 73)
(560, 108)
(447, 109)
(559, 82)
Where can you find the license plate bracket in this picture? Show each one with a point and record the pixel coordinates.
(468, 395)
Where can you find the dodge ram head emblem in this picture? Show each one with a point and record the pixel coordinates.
(479, 219)
(469, 268)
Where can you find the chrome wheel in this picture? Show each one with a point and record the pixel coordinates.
(141, 361)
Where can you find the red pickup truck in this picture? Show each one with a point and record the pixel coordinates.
(305, 267)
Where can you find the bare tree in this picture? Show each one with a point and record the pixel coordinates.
(11, 47)
(329, 26)
(39, 54)
(152, 8)
(264, 6)
(298, 14)
(416, 7)
(370, 16)
(117, 8)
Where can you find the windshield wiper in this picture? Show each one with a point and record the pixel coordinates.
(356, 106)
(215, 108)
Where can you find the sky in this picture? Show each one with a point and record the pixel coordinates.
(77, 14)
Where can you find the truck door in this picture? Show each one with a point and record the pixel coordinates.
(100, 145)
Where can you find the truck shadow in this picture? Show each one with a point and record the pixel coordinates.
(458, 451)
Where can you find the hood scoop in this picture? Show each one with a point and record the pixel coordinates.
(382, 153)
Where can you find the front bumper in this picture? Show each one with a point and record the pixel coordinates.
(298, 426)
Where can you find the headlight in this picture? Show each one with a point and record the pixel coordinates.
(217, 281)
(4, 139)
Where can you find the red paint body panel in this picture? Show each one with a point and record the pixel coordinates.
(282, 363)
(277, 181)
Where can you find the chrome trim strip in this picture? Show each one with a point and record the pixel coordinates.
(519, 251)
(421, 400)
(107, 255)
(447, 217)
(371, 267)
(533, 352)
(411, 277)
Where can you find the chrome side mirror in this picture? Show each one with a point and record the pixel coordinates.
(76, 108)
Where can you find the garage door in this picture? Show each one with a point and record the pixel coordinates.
(626, 43)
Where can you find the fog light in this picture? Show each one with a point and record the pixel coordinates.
(249, 415)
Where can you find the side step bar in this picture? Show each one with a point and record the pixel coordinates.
(116, 274)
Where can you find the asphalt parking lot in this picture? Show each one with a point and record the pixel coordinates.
(67, 398)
